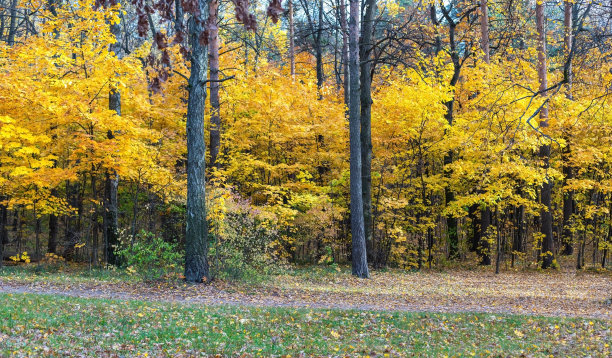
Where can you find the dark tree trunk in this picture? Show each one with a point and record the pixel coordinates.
(345, 51)
(519, 232)
(359, 254)
(319, 50)
(71, 233)
(546, 193)
(13, 23)
(213, 58)
(475, 239)
(3, 230)
(196, 238)
(52, 241)
(365, 50)
(111, 185)
(568, 197)
(484, 248)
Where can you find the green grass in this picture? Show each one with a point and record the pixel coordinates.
(39, 325)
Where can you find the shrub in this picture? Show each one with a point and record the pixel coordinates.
(149, 256)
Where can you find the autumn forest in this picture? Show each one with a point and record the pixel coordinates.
(331, 154)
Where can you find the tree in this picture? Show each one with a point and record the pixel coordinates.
(359, 256)
(546, 193)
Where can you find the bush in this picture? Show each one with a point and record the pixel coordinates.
(241, 237)
(149, 256)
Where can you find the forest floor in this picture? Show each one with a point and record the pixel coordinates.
(566, 294)
(307, 312)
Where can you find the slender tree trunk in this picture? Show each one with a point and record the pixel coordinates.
(517, 244)
(359, 254)
(345, 51)
(475, 234)
(546, 214)
(53, 223)
(484, 249)
(365, 49)
(568, 197)
(3, 229)
(484, 30)
(111, 185)
(319, 50)
(291, 41)
(213, 58)
(13, 23)
(196, 237)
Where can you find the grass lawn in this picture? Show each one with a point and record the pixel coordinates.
(51, 325)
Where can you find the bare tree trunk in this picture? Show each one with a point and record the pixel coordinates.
(546, 214)
(213, 58)
(196, 237)
(365, 50)
(291, 40)
(359, 255)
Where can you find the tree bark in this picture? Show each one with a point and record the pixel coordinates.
(484, 249)
(291, 41)
(111, 185)
(484, 30)
(213, 58)
(568, 197)
(3, 230)
(196, 237)
(546, 214)
(345, 51)
(365, 49)
(13, 23)
(359, 254)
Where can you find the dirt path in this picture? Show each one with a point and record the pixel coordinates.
(517, 293)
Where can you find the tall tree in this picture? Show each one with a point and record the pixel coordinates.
(359, 254)
(291, 40)
(196, 236)
(111, 183)
(546, 192)
(568, 196)
(213, 58)
(365, 50)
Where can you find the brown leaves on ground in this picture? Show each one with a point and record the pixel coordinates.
(553, 294)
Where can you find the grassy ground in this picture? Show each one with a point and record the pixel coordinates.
(46, 325)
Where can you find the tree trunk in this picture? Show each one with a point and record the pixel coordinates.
(484, 30)
(196, 237)
(517, 244)
(568, 197)
(546, 214)
(319, 50)
(359, 254)
(13, 23)
(213, 58)
(111, 201)
(53, 223)
(365, 49)
(291, 41)
(345, 51)
(484, 249)
(3, 230)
